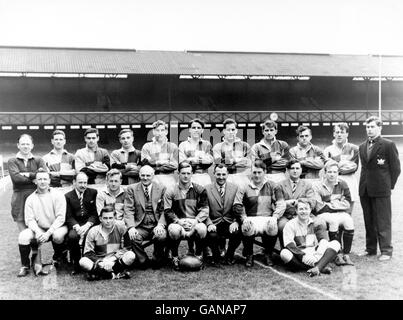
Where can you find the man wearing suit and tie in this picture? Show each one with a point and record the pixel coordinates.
(379, 172)
(294, 188)
(221, 223)
(144, 217)
(81, 215)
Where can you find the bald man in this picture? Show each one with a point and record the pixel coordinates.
(144, 217)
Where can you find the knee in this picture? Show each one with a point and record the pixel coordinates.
(286, 255)
(128, 258)
(73, 236)
(175, 231)
(25, 237)
(201, 230)
(348, 222)
(335, 245)
(86, 263)
(59, 234)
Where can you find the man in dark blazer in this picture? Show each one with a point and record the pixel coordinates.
(144, 217)
(81, 215)
(221, 223)
(379, 172)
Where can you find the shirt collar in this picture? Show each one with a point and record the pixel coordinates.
(253, 186)
(182, 188)
(235, 140)
(20, 156)
(218, 186)
(131, 149)
(78, 192)
(307, 148)
(335, 143)
(263, 142)
(121, 190)
(165, 140)
(374, 140)
(89, 150)
(53, 151)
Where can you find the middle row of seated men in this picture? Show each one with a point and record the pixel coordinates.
(207, 215)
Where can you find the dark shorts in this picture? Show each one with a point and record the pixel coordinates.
(17, 204)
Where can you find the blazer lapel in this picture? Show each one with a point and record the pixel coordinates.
(299, 189)
(375, 149)
(140, 195)
(216, 194)
(154, 197)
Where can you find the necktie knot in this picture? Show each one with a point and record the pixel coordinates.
(222, 191)
(146, 193)
(294, 186)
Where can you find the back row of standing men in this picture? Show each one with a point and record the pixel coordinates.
(264, 196)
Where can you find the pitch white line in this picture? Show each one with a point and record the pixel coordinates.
(301, 283)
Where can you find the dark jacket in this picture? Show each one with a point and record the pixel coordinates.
(73, 209)
(379, 173)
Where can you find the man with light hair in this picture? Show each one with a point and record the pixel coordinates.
(346, 155)
(305, 249)
(144, 217)
(92, 160)
(112, 194)
(161, 155)
(127, 159)
(333, 205)
(309, 155)
(258, 208)
(197, 152)
(186, 211)
(235, 154)
(45, 214)
(274, 153)
(104, 255)
(60, 162)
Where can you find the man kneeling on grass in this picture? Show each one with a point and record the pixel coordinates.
(304, 247)
(104, 257)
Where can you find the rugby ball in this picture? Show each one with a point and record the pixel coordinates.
(190, 263)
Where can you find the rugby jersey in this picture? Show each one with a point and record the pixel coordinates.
(265, 152)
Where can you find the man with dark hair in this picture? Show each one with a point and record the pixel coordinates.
(92, 160)
(305, 249)
(258, 208)
(22, 169)
(144, 217)
(333, 203)
(81, 215)
(112, 194)
(346, 155)
(380, 170)
(60, 162)
(127, 159)
(161, 155)
(104, 256)
(222, 223)
(186, 210)
(274, 153)
(45, 214)
(198, 152)
(235, 154)
(310, 156)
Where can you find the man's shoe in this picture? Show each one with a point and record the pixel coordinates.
(215, 262)
(327, 270)
(366, 254)
(313, 272)
(249, 261)
(24, 271)
(175, 263)
(121, 275)
(347, 260)
(268, 260)
(339, 261)
(384, 257)
(76, 270)
(92, 276)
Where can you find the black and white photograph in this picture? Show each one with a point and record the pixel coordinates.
(200, 154)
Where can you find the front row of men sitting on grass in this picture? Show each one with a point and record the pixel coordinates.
(106, 231)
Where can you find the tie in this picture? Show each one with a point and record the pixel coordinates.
(294, 186)
(146, 193)
(81, 203)
(369, 147)
(222, 192)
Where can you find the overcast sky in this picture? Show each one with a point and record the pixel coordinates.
(305, 26)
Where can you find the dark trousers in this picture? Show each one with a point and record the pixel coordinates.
(378, 223)
(268, 244)
(214, 239)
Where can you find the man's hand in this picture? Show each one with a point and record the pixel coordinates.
(25, 174)
(212, 228)
(233, 227)
(85, 228)
(159, 230)
(133, 233)
(107, 264)
(309, 259)
(247, 225)
(44, 237)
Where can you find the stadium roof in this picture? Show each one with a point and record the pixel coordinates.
(193, 63)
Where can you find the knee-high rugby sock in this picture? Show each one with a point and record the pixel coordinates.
(24, 254)
(328, 256)
(295, 265)
(348, 236)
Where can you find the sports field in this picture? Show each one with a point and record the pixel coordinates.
(368, 279)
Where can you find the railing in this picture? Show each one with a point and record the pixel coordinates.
(142, 117)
